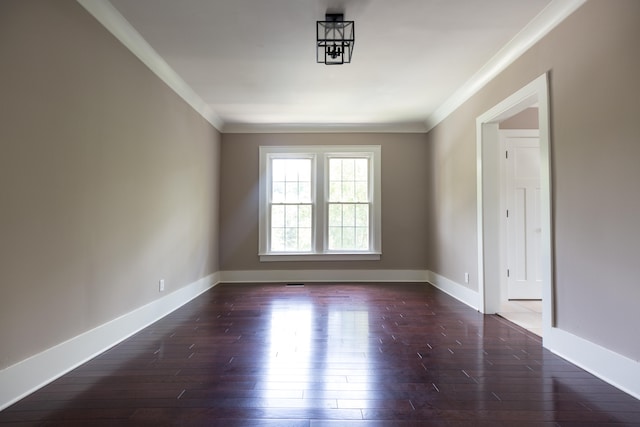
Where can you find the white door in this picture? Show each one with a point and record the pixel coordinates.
(524, 274)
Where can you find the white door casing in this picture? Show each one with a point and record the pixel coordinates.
(489, 212)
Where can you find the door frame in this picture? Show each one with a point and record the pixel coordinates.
(488, 154)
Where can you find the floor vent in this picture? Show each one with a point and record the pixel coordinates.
(295, 285)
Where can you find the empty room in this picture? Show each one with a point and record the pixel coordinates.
(319, 212)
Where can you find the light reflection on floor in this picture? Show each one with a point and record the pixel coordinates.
(298, 332)
(289, 360)
(347, 347)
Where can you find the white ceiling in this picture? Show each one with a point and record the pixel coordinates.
(250, 64)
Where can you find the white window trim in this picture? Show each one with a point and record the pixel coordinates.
(321, 154)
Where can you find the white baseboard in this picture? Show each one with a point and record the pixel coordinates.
(329, 276)
(456, 290)
(25, 377)
(615, 369)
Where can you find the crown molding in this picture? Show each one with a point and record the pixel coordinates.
(409, 127)
(117, 25)
(556, 12)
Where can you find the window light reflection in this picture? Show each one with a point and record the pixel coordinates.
(290, 350)
(347, 347)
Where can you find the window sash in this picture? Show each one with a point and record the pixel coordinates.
(291, 227)
(349, 178)
(291, 179)
(348, 227)
(291, 196)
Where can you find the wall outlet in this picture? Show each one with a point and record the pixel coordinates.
(466, 277)
(161, 285)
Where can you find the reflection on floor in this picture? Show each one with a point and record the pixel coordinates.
(524, 313)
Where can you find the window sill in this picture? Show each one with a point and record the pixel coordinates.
(350, 256)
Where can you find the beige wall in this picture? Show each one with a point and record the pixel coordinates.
(594, 64)
(108, 180)
(526, 119)
(404, 200)
(452, 247)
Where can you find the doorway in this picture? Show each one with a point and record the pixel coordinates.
(492, 269)
(521, 285)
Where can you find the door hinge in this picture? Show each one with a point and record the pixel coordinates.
(506, 154)
(507, 213)
(507, 272)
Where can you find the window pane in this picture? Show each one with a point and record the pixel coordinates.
(291, 239)
(362, 215)
(362, 169)
(277, 239)
(277, 216)
(291, 194)
(348, 238)
(348, 215)
(305, 216)
(304, 191)
(335, 215)
(348, 169)
(335, 238)
(291, 216)
(362, 192)
(335, 169)
(335, 191)
(278, 167)
(362, 238)
(304, 169)
(278, 190)
(304, 239)
(348, 191)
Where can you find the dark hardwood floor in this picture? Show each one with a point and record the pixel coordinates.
(327, 355)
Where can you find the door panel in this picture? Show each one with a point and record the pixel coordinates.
(523, 218)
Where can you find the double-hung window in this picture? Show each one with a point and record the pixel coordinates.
(320, 203)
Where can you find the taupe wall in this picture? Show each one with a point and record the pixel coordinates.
(404, 200)
(594, 64)
(526, 119)
(108, 180)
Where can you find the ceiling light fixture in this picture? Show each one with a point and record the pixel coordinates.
(335, 40)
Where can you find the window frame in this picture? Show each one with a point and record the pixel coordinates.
(320, 156)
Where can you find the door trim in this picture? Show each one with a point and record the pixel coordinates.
(488, 196)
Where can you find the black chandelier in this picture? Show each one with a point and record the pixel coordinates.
(335, 40)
